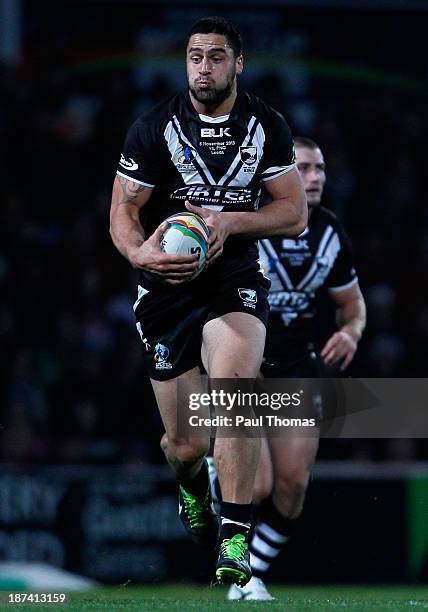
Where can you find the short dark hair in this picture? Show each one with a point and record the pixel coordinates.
(218, 25)
(308, 143)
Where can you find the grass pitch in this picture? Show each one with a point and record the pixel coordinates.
(205, 599)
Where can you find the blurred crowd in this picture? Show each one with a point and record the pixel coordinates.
(73, 386)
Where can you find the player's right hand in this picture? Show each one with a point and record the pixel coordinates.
(218, 226)
(340, 346)
(173, 269)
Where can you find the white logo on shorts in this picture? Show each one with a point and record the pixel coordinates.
(161, 356)
(248, 296)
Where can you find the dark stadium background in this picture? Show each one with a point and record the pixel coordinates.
(352, 77)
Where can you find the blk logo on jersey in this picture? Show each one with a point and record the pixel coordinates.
(215, 132)
(295, 244)
(248, 296)
(248, 155)
(128, 164)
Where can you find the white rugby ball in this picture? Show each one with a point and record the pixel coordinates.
(187, 233)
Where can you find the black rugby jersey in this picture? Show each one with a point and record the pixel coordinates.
(302, 270)
(218, 165)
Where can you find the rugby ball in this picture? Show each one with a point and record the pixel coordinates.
(187, 233)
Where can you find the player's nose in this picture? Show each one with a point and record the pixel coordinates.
(205, 66)
(315, 176)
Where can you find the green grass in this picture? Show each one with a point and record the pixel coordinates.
(205, 599)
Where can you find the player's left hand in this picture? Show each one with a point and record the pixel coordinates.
(218, 227)
(340, 345)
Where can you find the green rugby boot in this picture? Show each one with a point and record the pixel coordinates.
(233, 565)
(199, 518)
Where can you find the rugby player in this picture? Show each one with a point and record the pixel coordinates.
(302, 270)
(208, 149)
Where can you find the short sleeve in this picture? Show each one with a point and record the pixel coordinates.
(279, 156)
(140, 159)
(343, 273)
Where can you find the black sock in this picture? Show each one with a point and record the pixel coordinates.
(197, 486)
(269, 514)
(271, 533)
(235, 518)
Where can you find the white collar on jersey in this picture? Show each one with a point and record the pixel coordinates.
(220, 119)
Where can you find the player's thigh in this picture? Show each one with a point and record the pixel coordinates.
(293, 457)
(170, 393)
(232, 345)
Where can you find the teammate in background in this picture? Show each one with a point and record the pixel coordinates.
(301, 270)
(214, 147)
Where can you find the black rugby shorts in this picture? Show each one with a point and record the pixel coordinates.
(295, 364)
(170, 322)
(306, 365)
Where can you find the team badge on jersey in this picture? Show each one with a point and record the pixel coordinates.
(248, 155)
(183, 159)
(248, 296)
(161, 356)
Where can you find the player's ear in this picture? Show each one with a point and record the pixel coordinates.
(239, 64)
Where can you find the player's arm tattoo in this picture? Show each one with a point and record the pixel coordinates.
(130, 190)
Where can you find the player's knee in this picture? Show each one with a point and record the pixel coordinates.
(185, 449)
(292, 485)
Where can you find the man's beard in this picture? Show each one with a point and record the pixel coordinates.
(212, 98)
